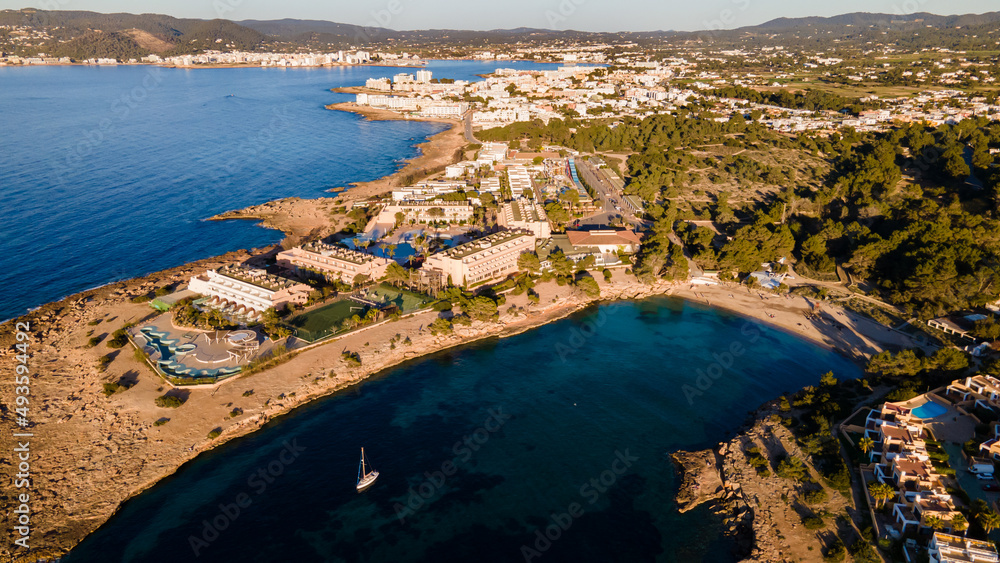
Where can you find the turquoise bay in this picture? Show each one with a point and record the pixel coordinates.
(530, 425)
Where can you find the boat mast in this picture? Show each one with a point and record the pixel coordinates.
(363, 472)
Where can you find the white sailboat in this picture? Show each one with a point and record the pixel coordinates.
(365, 477)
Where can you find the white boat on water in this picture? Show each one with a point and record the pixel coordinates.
(365, 478)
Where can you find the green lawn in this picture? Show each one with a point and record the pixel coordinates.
(406, 300)
(326, 320)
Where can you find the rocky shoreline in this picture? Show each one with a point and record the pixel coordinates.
(762, 512)
(93, 452)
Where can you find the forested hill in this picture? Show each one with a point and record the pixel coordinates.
(84, 35)
(81, 34)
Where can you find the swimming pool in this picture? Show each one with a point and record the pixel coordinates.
(930, 409)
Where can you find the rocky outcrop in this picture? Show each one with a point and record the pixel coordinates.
(762, 512)
(700, 478)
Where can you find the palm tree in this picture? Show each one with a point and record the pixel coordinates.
(959, 524)
(881, 492)
(989, 520)
(390, 250)
(934, 522)
(866, 444)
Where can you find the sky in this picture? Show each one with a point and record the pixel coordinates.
(584, 15)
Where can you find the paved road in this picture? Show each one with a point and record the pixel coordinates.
(468, 128)
(609, 198)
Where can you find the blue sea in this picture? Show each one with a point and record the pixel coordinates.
(550, 446)
(109, 172)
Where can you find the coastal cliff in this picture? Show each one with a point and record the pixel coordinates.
(763, 512)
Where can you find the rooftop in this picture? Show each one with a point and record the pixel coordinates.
(602, 237)
(480, 244)
(339, 252)
(256, 277)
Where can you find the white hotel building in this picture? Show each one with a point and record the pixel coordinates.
(333, 262)
(244, 289)
(492, 257)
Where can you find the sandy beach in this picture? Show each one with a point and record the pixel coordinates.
(822, 322)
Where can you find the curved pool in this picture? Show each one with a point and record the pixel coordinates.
(930, 409)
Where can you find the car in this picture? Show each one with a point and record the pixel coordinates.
(992, 488)
(984, 476)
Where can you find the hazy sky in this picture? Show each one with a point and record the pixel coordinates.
(588, 15)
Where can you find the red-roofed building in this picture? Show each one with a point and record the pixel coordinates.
(608, 240)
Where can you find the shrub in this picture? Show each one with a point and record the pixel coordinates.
(792, 468)
(248, 392)
(353, 359)
(161, 421)
(836, 552)
(94, 341)
(118, 339)
(144, 298)
(103, 362)
(111, 389)
(441, 326)
(94, 322)
(214, 433)
(235, 412)
(815, 497)
(169, 401)
(813, 522)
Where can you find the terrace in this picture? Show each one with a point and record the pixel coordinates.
(339, 252)
(258, 278)
(185, 356)
(476, 246)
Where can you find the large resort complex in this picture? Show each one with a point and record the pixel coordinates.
(247, 291)
(332, 262)
(489, 258)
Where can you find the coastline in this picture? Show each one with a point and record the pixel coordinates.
(111, 443)
(302, 218)
(76, 428)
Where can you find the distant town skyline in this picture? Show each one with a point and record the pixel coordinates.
(583, 15)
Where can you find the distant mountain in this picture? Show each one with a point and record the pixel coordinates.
(81, 34)
(899, 21)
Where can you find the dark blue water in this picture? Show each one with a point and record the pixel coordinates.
(108, 172)
(606, 384)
